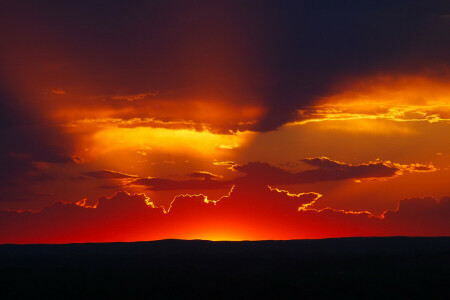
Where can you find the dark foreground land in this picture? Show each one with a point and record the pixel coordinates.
(384, 268)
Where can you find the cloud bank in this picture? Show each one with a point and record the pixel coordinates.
(245, 213)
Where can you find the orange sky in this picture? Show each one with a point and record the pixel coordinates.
(223, 121)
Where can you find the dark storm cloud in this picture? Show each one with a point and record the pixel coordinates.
(315, 45)
(280, 54)
(25, 141)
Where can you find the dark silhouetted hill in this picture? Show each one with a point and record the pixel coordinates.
(384, 268)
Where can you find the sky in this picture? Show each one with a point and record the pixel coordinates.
(223, 120)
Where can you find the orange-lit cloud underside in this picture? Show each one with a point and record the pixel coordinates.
(401, 99)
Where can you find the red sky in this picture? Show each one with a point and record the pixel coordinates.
(223, 120)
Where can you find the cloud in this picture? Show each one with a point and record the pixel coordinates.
(204, 175)
(252, 213)
(402, 98)
(108, 174)
(421, 215)
(58, 92)
(396, 112)
(305, 200)
(326, 169)
(279, 57)
(133, 97)
(163, 184)
(66, 222)
(169, 118)
(261, 173)
(418, 168)
(28, 142)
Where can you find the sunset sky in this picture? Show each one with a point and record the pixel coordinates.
(223, 120)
